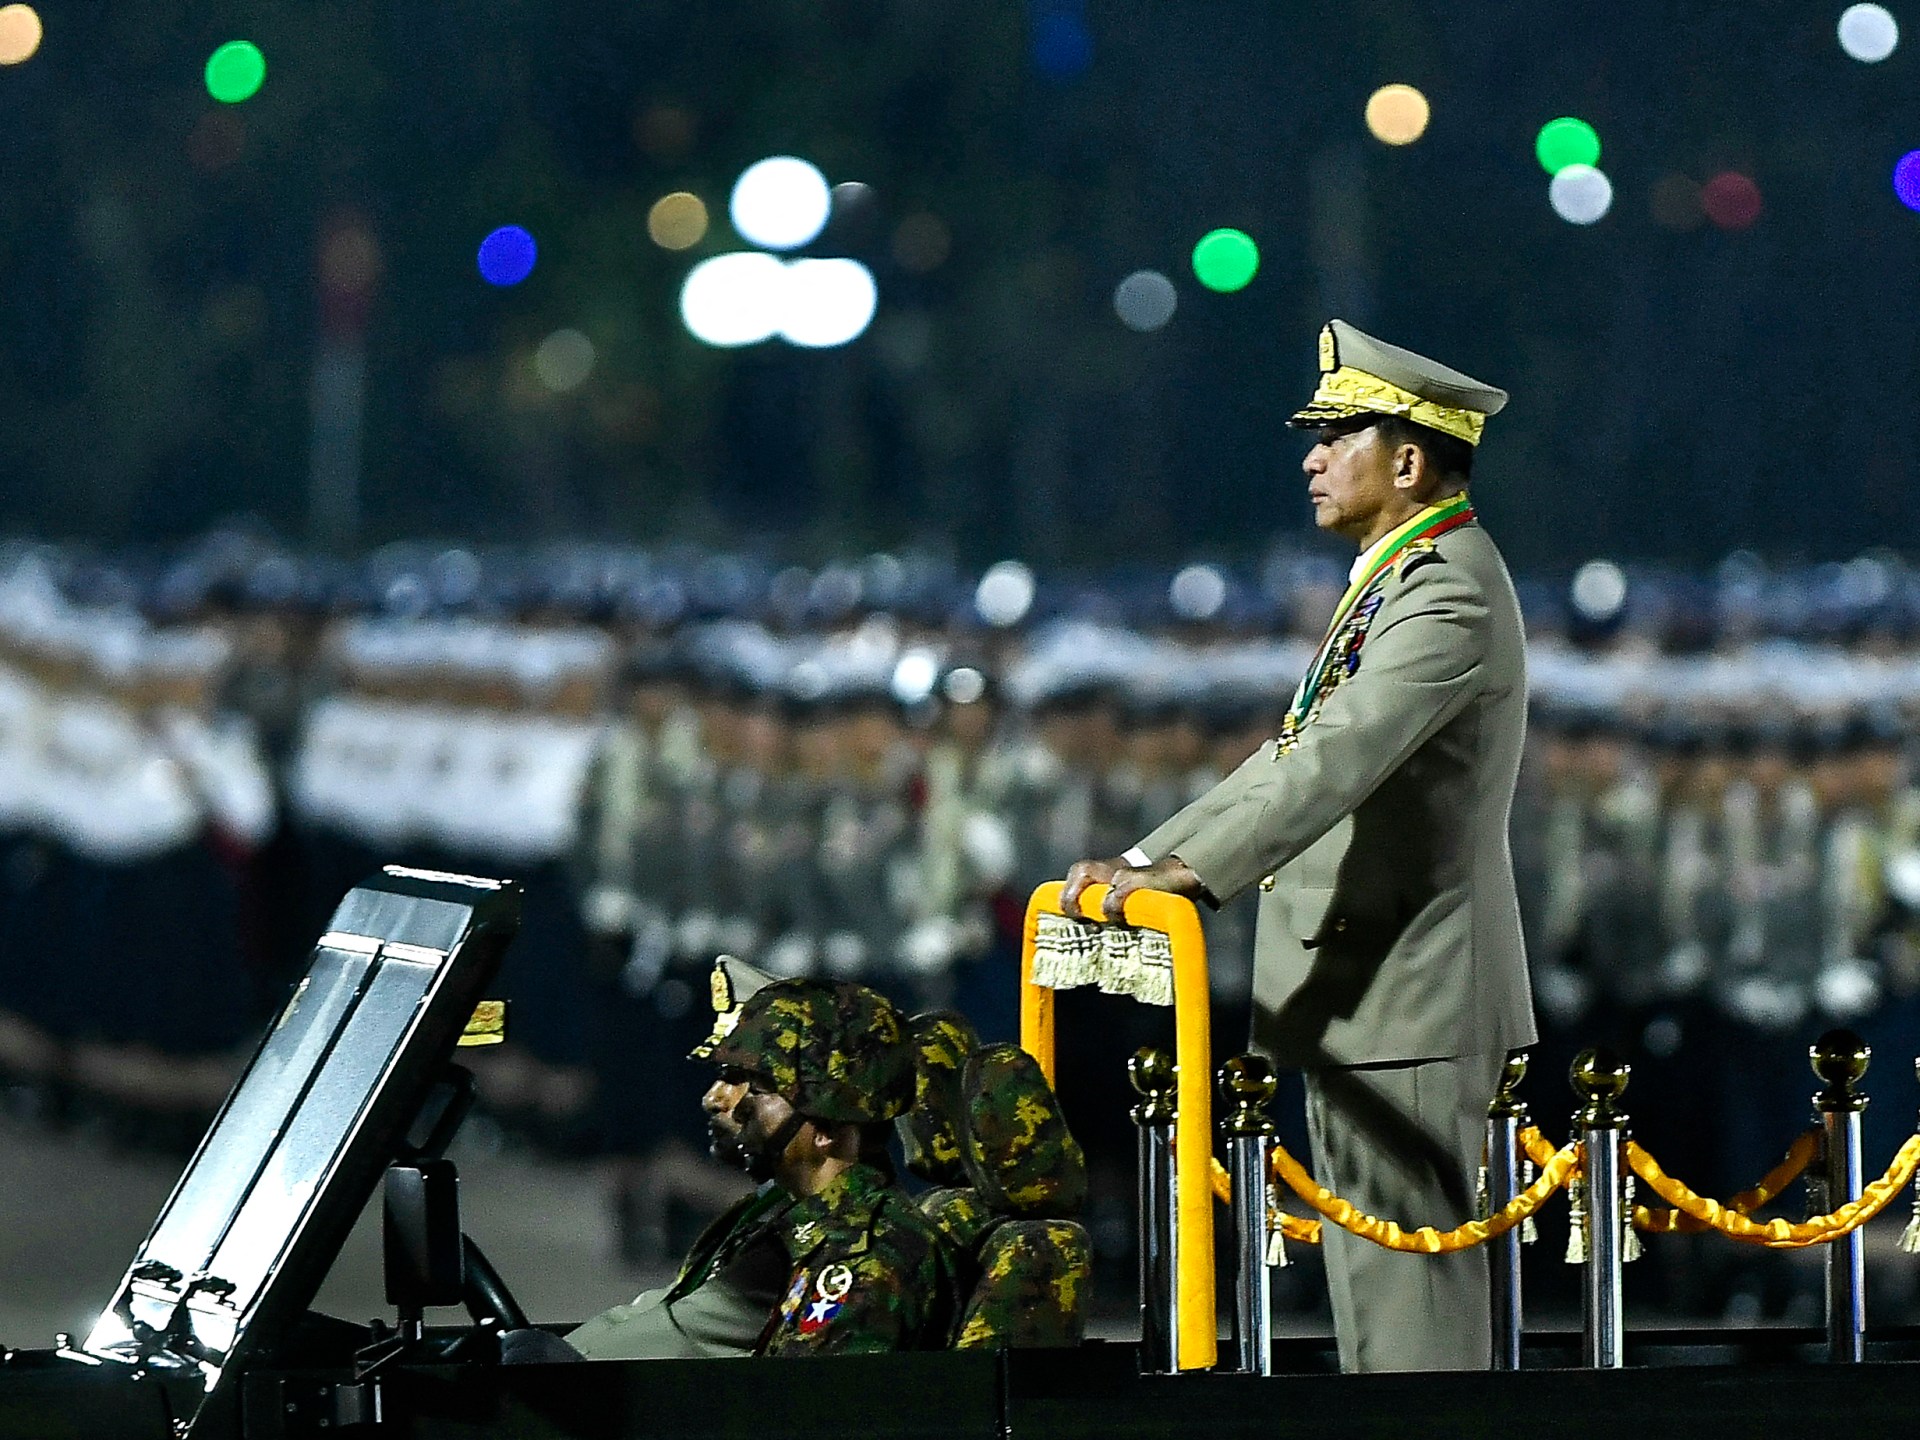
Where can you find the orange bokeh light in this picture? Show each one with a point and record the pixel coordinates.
(20, 33)
(1398, 114)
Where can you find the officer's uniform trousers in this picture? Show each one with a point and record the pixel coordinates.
(1399, 1141)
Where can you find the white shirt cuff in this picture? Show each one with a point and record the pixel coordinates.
(1137, 859)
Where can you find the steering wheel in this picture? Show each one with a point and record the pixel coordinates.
(486, 1295)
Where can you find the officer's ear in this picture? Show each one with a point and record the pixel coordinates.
(1410, 467)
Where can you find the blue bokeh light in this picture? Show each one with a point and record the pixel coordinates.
(1062, 45)
(1906, 179)
(507, 256)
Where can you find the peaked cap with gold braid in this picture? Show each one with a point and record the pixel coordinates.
(731, 985)
(1360, 375)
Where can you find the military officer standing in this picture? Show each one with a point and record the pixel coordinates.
(1389, 963)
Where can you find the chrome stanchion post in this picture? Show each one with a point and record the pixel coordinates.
(1151, 1073)
(1600, 1078)
(1506, 1117)
(1247, 1084)
(1840, 1058)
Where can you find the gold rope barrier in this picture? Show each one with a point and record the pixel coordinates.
(1800, 1154)
(1297, 1228)
(1781, 1234)
(1730, 1220)
(1426, 1240)
(1389, 1235)
(1690, 1213)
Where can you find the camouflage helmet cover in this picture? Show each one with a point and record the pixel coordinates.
(930, 1131)
(1017, 1149)
(834, 1050)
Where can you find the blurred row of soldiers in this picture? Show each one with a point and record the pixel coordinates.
(1696, 876)
(836, 816)
(1769, 864)
(807, 817)
(1711, 845)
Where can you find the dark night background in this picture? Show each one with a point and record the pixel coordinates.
(1679, 391)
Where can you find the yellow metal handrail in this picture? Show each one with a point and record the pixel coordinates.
(1197, 1345)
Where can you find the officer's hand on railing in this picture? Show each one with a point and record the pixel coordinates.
(1170, 875)
(1082, 874)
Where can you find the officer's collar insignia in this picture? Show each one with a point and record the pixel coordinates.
(1336, 655)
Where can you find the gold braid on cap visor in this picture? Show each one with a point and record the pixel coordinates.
(1347, 392)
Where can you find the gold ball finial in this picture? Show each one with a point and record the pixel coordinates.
(1153, 1076)
(1507, 1103)
(1150, 1071)
(1840, 1059)
(1248, 1083)
(1600, 1078)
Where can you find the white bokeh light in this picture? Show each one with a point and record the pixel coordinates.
(914, 676)
(781, 203)
(826, 302)
(1198, 592)
(1868, 33)
(967, 685)
(1599, 590)
(564, 360)
(1580, 194)
(1005, 594)
(735, 299)
(1145, 300)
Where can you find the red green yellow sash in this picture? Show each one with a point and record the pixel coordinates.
(1429, 524)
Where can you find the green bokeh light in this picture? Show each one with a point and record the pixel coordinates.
(1225, 260)
(1565, 142)
(236, 71)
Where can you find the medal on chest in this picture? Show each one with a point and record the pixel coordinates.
(1339, 654)
(1338, 659)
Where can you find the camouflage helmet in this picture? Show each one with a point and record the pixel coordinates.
(930, 1131)
(1017, 1149)
(833, 1050)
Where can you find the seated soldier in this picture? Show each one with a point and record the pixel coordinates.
(987, 1130)
(829, 1256)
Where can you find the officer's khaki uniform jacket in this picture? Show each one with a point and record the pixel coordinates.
(1390, 929)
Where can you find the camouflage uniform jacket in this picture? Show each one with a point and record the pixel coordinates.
(869, 1273)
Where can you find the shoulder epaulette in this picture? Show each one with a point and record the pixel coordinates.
(1416, 554)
